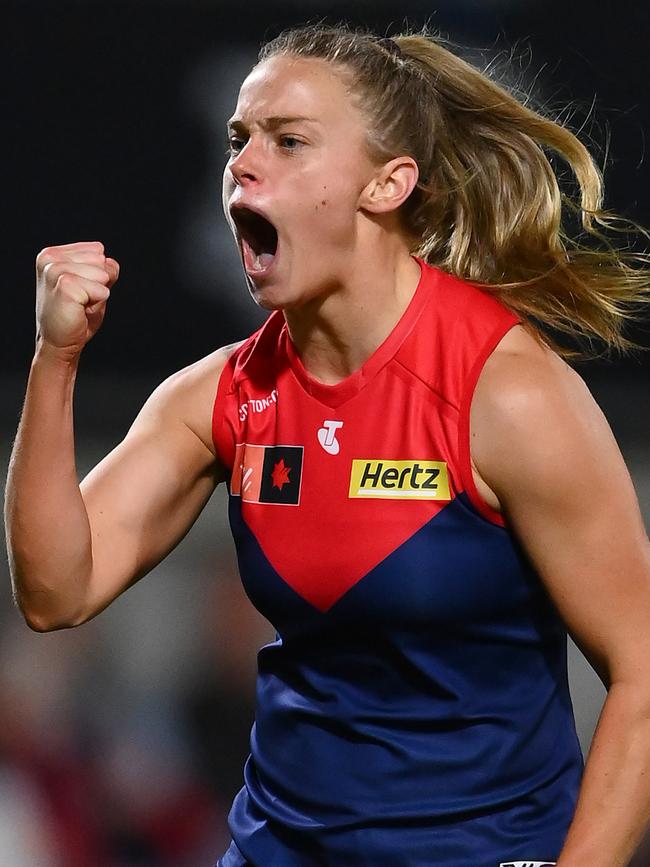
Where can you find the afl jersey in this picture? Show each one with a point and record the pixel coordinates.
(414, 708)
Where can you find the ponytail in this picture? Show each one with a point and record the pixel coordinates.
(488, 206)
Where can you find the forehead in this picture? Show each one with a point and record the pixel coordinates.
(296, 86)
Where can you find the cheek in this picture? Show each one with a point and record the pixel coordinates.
(322, 209)
(332, 207)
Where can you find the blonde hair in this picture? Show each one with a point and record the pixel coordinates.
(487, 206)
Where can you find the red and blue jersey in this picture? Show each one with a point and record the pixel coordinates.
(414, 708)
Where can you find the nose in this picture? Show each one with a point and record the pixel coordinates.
(245, 165)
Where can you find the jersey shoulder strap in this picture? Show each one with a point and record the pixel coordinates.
(458, 330)
(461, 326)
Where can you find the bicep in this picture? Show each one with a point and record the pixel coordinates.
(143, 497)
(548, 452)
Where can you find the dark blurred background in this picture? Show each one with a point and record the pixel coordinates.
(122, 742)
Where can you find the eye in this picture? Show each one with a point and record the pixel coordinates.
(290, 142)
(235, 145)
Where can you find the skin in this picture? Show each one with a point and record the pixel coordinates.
(344, 276)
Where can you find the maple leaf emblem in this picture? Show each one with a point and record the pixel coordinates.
(280, 474)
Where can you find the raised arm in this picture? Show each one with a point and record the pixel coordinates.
(74, 548)
(543, 445)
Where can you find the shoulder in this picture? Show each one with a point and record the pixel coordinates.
(545, 447)
(533, 419)
(187, 396)
(523, 374)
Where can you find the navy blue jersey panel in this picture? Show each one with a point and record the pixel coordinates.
(457, 567)
(429, 704)
(233, 857)
(532, 831)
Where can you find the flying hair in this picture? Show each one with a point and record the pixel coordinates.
(488, 206)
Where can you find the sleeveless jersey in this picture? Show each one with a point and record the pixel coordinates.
(414, 708)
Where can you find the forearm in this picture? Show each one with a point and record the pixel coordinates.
(48, 533)
(614, 804)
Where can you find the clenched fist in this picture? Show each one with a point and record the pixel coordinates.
(72, 287)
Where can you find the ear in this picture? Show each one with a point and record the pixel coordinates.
(391, 186)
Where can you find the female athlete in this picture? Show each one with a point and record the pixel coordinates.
(423, 494)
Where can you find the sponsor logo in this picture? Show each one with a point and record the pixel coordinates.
(527, 864)
(257, 405)
(267, 474)
(327, 436)
(397, 480)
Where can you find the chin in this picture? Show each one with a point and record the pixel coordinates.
(267, 303)
(267, 297)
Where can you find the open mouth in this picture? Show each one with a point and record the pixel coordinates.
(259, 239)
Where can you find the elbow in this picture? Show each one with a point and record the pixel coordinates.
(39, 622)
(41, 618)
(42, 607)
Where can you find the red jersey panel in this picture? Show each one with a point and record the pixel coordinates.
(305, 455)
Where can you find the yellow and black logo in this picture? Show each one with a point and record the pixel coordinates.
(397, 480)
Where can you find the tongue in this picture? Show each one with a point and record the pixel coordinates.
(255, 261)
(262, 261)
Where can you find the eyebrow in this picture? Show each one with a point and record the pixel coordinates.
(271, 123)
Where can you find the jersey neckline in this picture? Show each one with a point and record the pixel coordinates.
(337, 394)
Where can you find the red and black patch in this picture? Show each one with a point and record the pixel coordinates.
(267, 474)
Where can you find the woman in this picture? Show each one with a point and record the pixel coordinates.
(422, 493)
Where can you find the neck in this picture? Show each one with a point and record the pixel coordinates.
(335, 335)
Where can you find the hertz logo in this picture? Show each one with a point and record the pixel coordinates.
(397, 480)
